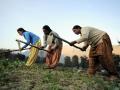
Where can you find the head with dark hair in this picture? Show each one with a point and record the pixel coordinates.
(77, 29)
(46, 29)
(21, 31)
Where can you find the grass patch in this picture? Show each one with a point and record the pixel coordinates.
(14, 75)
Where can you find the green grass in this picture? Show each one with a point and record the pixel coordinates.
(14, 75)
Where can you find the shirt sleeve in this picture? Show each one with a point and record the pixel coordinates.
(45, 41)
(86, 44)
(56, 43)
(84, 36)
(27, 37)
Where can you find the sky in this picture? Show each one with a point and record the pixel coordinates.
(60, 15)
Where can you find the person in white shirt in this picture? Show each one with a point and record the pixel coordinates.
(54, 47)
(100, 50)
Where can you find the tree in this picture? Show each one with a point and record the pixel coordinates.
(116, 59)
(83, 63)
(75, 62)
(67, 61)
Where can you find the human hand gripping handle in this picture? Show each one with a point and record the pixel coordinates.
(74, 42)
